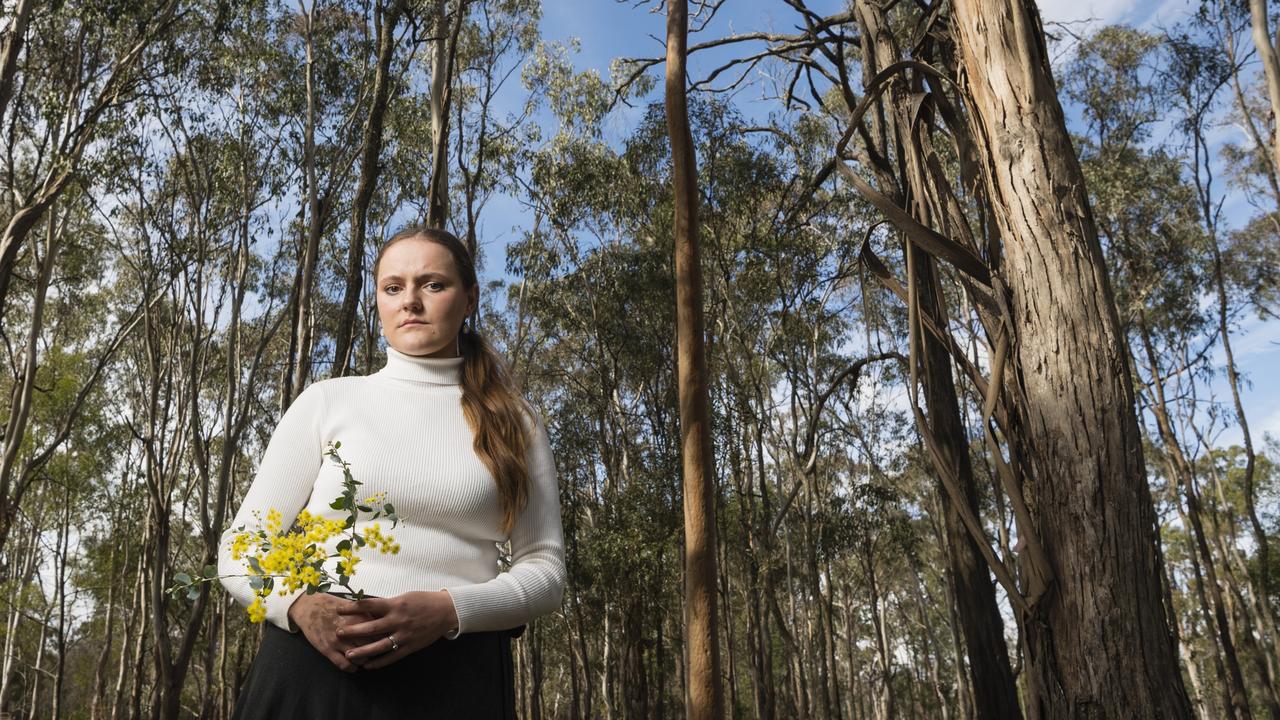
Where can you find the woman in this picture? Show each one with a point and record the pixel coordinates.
(467, 465)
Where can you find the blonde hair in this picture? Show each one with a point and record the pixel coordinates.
(492, 404)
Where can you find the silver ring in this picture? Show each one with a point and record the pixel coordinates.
(394, 645)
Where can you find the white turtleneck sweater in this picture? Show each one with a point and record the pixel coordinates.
(403, 433)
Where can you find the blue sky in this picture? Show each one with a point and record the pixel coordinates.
(605, 30)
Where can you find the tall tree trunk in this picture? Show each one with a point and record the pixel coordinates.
(14, 37)
(884, 698)
(28, 548)
(37, 670)
(370, 167)
(300, 347)
(1207, 616)
(64, 540)
(607, 684)
(742, 476)
(134, 617)
(1097, 645)
(21, 400)
(932, 653)
(1260, 539)
(138, 670)
(108, 640)
(704, 694)
(995, 694)
(1182, 472)
(1271, 69)
(966, 703)
(442, 61)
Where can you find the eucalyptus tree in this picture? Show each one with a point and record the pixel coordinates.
(1022, 310)
(1197, 72)
(1229, 23)
(904, 139)
(1157, 254)
(447, 29)
(493, 47)
(1265, 44)
(82, 62)
(705, 692)
(824, 49)
(592, 332)
(187, 211)
(69, 437)
(386, 20)
(1087, 652)
(593, 309)
(454, 123)
(81, 68)
(324, 40)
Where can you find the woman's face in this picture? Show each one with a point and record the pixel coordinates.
(421, 299)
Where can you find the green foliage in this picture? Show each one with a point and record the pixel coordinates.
(190, 203)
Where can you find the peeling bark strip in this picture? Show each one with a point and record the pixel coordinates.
(704, 695)
(916, 204)
(1098, 645)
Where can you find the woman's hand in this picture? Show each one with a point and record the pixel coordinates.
(414, 619)
(319, 616)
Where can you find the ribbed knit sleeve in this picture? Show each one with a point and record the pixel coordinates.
(284, 481)
(534, 584)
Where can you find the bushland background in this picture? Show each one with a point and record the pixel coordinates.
(990, 407)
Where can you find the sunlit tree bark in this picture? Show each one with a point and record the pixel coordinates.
(704, 693)
(1097, 644)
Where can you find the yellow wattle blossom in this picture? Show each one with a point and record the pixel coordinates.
(348, 561)
(274, 520)
(240, 546)
(257, 611)
(293, 559)
(373, 535)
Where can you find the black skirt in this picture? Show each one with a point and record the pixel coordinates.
(469, 677)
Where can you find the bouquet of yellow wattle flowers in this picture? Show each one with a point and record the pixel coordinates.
(296, 556)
